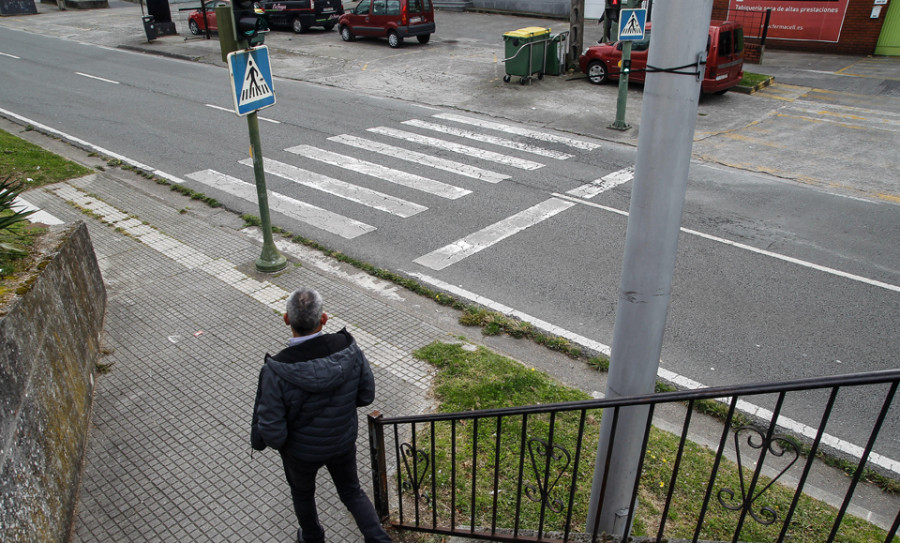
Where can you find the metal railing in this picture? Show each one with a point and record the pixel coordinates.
(521, 474)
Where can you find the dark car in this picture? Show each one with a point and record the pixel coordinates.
(196, 22)
(724, 58)
(391, 19)
(299, 15)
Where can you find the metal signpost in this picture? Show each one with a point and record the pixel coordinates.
(631, 28)
(251, 89)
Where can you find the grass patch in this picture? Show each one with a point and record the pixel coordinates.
(33, 166)
(480, 379)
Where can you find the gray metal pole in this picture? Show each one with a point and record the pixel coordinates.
(668, 117)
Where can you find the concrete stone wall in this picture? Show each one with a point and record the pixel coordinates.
(49, 346)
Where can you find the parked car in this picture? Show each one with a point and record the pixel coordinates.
(724, 58)
(196, 23)
(391, 19)
(299, 15)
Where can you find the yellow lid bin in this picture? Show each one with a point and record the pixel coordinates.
(525, 52)
(528, 32)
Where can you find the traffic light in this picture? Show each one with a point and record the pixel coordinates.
(250, 22)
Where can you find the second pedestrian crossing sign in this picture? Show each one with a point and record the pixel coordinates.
(632, 23)
(251, 80)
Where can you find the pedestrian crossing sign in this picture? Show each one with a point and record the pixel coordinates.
(632, 23)
(251, 80)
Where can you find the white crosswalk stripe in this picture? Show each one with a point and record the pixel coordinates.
(309, 214)
(485, 138)
(510, 129)
(484, 238)
(603, 184)
(335, 187)
(420, 158)
(398, 177)
(457, 148)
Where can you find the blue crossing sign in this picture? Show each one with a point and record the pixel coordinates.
(251, 80)
(632, 23)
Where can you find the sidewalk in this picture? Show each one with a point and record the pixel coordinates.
(188, 322)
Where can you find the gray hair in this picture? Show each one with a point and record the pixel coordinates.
(304, 310)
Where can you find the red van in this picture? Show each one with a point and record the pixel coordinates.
(724, 58)
(391, 19)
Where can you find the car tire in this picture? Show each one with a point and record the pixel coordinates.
(394, 39)
(194, 27)
(346, 34)
(596, 72)
(423, 38)
(329, 26)
(297, 26)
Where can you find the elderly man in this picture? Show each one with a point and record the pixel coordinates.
(306, 409)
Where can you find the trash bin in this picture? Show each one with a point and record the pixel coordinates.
(556, 53)
(525, 52)
(150, 27)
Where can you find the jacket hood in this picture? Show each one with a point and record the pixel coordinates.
(319, 374)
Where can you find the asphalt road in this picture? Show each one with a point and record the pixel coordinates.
(811, 289)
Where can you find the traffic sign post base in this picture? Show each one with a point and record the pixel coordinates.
(270, 261)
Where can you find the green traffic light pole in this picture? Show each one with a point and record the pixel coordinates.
(270, 260)
(619, 123)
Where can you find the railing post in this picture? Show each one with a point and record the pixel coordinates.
(379, 466)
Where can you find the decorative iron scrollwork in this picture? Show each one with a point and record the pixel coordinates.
(778, 445)
(558, 460)
(416, 463)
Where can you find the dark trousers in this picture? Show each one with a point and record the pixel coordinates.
(301, 476)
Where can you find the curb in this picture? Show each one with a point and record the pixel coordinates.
(751, 89)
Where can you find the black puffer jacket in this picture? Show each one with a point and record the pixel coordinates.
(307, 398)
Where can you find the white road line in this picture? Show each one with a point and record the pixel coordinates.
(220, 108)
(493, 140)
(398, 177)
(484, 238)
(354, 193)
(603, 184)
(792, 260)
(8, 55)
(458, 148)
(39, 215)
(510, 129)
(314, 216)
(672, 377)
(98, 78)
(420, 158)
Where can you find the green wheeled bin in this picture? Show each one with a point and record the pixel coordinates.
(526, 50)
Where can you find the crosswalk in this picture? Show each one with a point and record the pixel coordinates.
(428, 150)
